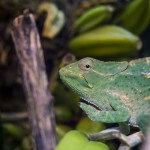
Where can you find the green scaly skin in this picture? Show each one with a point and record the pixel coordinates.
(113, 92)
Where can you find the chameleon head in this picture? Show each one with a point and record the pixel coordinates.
(78, 76)
(73, 77)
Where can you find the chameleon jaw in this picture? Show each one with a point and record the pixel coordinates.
(87, 102)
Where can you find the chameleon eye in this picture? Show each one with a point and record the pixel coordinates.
(85, 64)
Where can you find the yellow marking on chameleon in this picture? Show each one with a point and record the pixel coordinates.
(147, 60)
(126, 101)
(76, 74)
(132, 63)
(147, 98)
(97, 112)
(147, 76)
(85, 91)
(101, 74)
(90, 85)
(123, 98)
(81, 76)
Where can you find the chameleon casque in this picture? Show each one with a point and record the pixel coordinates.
(112, 92)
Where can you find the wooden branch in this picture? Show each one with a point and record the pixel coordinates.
(18, 116)
(39, 100)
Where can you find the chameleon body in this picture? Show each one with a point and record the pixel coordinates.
(112, 92)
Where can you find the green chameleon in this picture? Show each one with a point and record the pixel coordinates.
(113, 92)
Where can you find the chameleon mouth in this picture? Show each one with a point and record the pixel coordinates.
(87, 102)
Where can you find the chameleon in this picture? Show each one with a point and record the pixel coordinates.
(112, 92)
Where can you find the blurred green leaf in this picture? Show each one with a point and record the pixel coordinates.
(62, 130)
(63, 114)
(88, 126)
(1, 135)
(65, 97)
(13, 131)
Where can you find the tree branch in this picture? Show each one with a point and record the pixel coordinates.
(39, 100)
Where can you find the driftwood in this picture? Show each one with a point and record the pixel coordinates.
(39, 100)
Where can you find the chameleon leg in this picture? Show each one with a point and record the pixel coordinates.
(105, 116)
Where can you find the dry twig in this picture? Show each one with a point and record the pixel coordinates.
(39, 99)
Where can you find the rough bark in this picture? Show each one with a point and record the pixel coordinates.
(39, 100)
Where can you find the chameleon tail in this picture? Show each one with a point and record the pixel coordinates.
(143, 121)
